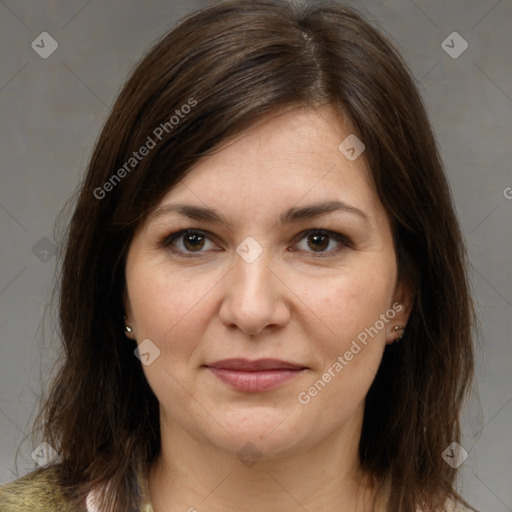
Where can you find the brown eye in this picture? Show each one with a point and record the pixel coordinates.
(187, 242)
(193, 241)
(318, 242)
(323, 243)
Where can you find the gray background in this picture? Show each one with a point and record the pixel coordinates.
(53, 109)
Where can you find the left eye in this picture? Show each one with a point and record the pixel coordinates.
(320, 240)
(189, 241)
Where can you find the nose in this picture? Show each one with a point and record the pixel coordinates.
(254, 297)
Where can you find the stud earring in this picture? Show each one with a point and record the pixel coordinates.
(399, 328)
(127, 328)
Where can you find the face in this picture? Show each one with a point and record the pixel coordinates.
(266, 320)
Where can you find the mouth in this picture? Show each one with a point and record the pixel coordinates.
(254, 376)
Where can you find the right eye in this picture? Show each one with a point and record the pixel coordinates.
(186, 242)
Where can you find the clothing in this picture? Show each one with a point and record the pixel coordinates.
(39, 491)
(35, 492)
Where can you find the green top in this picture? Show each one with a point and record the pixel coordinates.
(40, 491)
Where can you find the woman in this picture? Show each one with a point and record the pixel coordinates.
(264, 300)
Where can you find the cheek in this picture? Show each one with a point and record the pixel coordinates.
(170, 308)
(348, 304)
(350, 337)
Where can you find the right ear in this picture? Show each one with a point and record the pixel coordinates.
(129, 330)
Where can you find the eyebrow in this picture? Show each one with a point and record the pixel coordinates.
(290, 216)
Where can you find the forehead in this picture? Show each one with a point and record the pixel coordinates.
(287, 157)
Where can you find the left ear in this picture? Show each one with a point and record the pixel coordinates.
(403, 300)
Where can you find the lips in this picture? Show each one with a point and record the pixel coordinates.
(254, 376)
(246, 365)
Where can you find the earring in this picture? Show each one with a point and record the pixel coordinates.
(399, 328)
(127, 328)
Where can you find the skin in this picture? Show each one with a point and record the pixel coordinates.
(295, 302)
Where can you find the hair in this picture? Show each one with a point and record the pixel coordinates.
(219, 71)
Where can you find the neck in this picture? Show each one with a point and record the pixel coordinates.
(195, 475)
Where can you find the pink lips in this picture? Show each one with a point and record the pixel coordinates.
(254, 376)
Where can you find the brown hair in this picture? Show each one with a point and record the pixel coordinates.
(231, 64)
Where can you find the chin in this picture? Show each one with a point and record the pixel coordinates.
(269, 433)
(250, 448)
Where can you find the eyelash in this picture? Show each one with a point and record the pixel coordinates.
(166, 241)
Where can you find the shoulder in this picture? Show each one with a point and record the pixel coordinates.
(38, 491)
